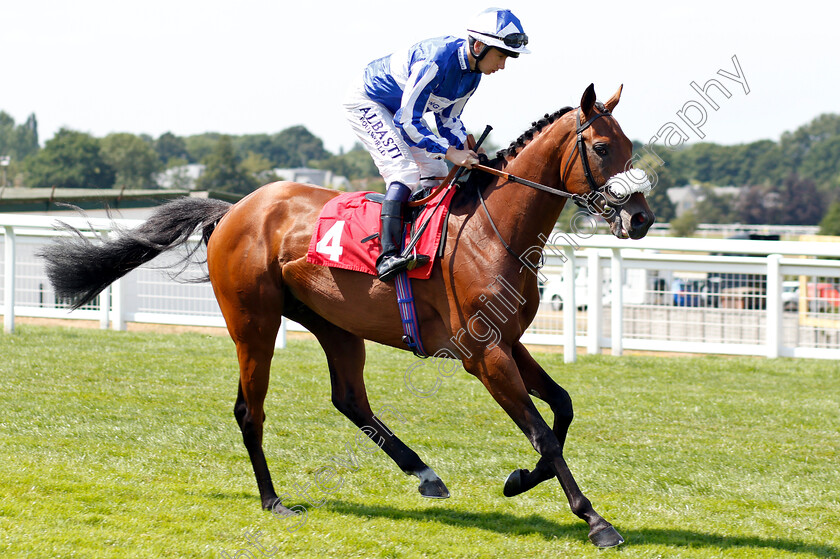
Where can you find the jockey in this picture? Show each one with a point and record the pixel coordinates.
(386, 112)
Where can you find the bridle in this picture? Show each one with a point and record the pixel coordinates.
(580, 147)
(580, 200)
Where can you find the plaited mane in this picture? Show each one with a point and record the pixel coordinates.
(536, 127)
(480, 180)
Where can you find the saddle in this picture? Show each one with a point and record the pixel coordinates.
(410, 213)
(346, 235)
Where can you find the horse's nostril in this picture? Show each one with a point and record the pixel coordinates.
(638, 220)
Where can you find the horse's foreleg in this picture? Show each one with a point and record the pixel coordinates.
(539, 384)
(499, 373)
(346, 360)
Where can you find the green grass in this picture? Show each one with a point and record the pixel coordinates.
(124, 445)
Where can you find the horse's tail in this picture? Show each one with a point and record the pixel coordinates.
(79, 269)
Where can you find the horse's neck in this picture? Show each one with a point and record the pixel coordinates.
(526, 216)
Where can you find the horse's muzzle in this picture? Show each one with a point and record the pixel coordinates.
(631, 222)
(640, 222)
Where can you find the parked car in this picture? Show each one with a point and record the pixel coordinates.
(790, 295)
(689, 292)
(738, 291)
(635, 288)
(555, 286)
(823, 297)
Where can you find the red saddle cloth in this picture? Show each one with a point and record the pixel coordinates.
(350, 217)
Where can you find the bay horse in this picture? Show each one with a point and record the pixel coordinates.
(256, 262)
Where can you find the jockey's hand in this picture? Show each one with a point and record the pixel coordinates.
(462, 157)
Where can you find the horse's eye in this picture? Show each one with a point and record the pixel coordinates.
(600, 149)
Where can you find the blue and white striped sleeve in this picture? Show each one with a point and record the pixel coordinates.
(449, 122)
(409, 117)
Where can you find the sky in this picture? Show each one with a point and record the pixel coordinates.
(255, 66)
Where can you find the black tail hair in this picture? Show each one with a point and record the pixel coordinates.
(79, 269)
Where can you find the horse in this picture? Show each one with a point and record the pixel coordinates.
(256, 263)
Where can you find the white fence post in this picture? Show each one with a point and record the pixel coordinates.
(617, 315)
(774, 305)
(595, 312)
(9, 280)
(280, 341)
(569, 308)
(104, 308)
(118, 309)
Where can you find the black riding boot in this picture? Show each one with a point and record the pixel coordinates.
(390, 263)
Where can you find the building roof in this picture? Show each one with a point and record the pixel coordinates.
(50, 200)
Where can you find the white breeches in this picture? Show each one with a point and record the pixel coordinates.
(395, 159)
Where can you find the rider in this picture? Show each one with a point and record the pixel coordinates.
(386, 112)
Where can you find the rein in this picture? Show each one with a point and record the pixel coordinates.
(580, 147)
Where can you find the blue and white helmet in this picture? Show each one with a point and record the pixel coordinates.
(501, 29)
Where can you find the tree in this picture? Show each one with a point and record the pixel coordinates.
(302, 146)
(259, 167)
(796, 145)
(292, 147)
(822, 162)
(266, 146)
(19, 141)
(795, 202)
(70, 160)
(133, 159)
(201, 145)
(255, 163)
(801, 202)
(169, 146)
(765, 163)
(751, 206)
(355, 164)
(830, 224)
(662, 178)
(223, 171)
(715, 208)
(685, 225)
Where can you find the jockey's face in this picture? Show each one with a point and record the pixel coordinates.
(492, 62)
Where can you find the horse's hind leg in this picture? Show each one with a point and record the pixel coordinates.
(346, 361)
(252, 309)
(254, 350)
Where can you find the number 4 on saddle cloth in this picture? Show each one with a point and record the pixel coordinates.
(346, 237)
(346, 233)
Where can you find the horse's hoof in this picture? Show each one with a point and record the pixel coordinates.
(277, 507)
(434, 489)
(606, 537)
(513, 484)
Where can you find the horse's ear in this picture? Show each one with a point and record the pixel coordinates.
(610, 105)
(587, 101)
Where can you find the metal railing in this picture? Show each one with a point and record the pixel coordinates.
(771, 298)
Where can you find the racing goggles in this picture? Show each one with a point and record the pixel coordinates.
(516, 40)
